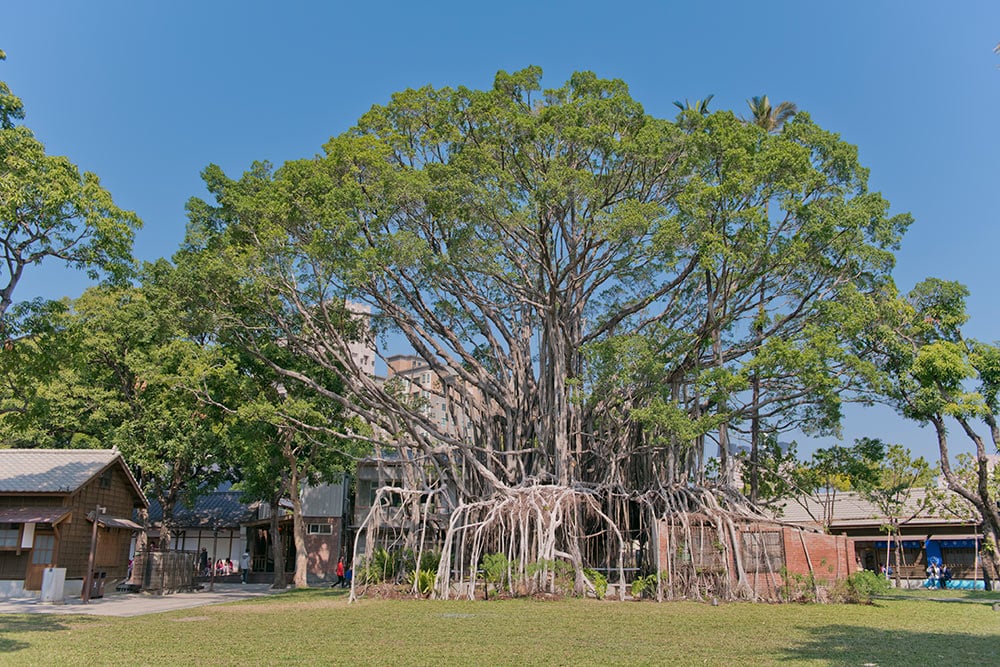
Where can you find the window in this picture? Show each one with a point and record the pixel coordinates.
(959, 557)
(106, 478)
(9, 534)
(763, 551)
(320, 529)
(43, 552)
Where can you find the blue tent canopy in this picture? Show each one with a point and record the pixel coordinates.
(933, 547)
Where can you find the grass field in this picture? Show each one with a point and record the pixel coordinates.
(319, 627)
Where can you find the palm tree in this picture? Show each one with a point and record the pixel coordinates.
(770, 118)
(700, 106)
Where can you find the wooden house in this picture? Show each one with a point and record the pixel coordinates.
(49, 500)
(925, 531)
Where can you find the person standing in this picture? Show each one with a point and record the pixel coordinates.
(933, 574)
(244, 566)
(203, 562)
(340, 574)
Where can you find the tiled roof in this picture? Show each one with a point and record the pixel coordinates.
(849, 508)
(218, 509)
(50, 470)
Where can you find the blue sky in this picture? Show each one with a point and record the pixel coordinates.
(147, 94)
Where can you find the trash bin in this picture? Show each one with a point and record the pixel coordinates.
(97, 586)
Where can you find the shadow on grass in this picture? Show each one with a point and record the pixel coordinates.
(21, 623)
(856, 645)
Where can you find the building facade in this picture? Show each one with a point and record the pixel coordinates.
(49, 501)
(923, 532)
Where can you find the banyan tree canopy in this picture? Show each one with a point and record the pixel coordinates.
(610, 305)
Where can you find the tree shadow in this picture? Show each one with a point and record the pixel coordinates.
(23, 623)
(859, 645)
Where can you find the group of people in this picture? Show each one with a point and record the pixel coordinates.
(223, 566)
(938, 575)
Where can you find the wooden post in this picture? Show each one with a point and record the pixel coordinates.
(975, 558)
(215, 544)
(88, 580)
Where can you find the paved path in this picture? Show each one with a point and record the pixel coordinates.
(137, 604)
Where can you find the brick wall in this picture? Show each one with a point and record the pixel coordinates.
(323, 550)
(830, 558)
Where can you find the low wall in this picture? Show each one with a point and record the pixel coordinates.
(14, 588)
(829, 558)
(778, 561)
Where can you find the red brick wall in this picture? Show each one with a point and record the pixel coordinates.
(831, 556)
(323, 550)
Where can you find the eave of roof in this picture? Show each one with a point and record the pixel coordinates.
(34, 514)
(114, 521)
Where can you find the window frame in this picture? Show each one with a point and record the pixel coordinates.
(8, 529)
(319, 529)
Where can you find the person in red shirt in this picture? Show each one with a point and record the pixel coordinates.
(340, 574)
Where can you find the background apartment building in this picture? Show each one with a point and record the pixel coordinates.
(429, 392)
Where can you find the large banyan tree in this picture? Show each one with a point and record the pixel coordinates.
(603, 295)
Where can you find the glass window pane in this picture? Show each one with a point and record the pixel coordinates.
(43, 550)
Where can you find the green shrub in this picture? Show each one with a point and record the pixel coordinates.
(494, 567)
(644, 586)
(563, 576)
(383, 565)
(860, 587)
(430, 560)
(798, 587)
(599, 580)
(425, 581)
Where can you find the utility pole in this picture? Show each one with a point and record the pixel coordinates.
(88, 581)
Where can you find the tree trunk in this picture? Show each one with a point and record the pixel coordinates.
(898, 554)
(301, 578)
(142, 539)
(980, 498)
(990, 559)
(166, 524)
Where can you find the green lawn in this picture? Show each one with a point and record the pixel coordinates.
(947, 593)
(319, 627)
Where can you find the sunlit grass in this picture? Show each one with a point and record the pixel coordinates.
(319, 627)
(941, 594)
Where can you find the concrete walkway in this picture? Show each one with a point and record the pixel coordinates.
(137, 604)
